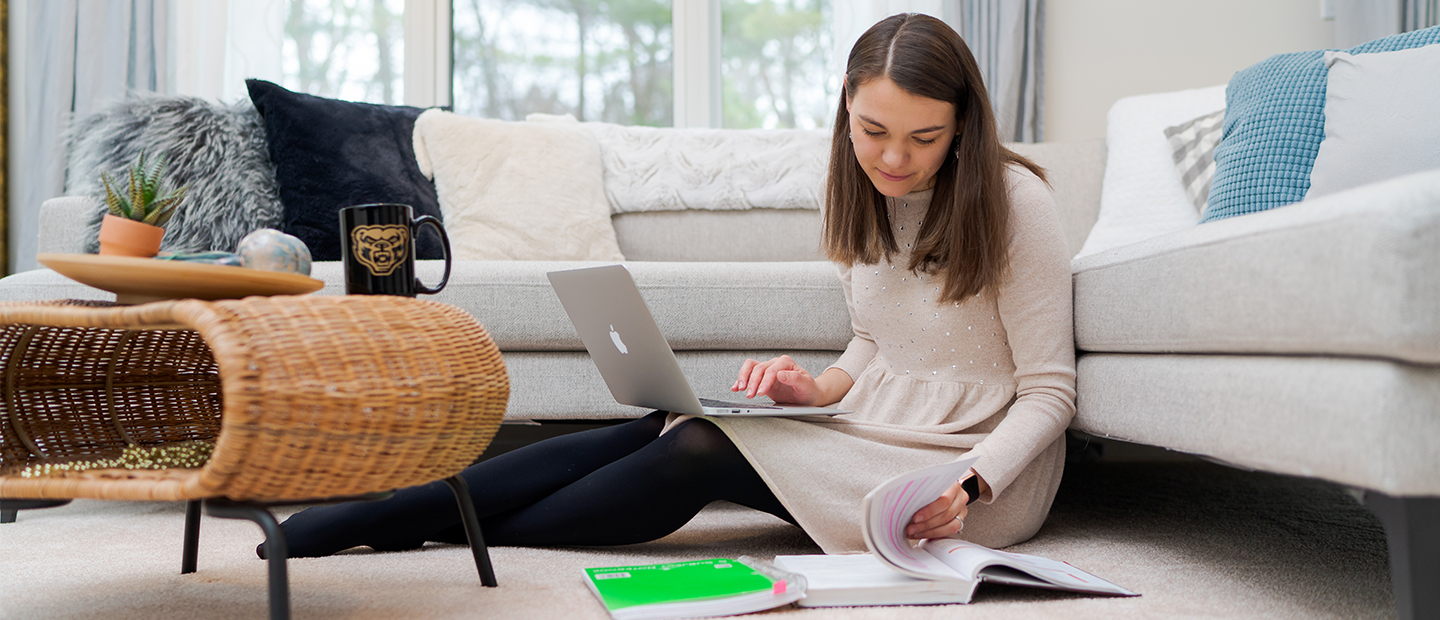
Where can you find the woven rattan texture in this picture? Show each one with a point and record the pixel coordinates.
(305, 396)
(73, 393)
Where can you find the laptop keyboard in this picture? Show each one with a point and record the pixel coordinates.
(725, 404)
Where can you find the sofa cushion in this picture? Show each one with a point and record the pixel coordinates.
(44, 284)
(216, 150)
(1380, 118)
(1353, 273)
(1362, 422)
(517, 190)
(330, 154)
(714, 306)
(566, 385)
(756, 235)
(1075, 171)
(701, 306)
(1274, 122)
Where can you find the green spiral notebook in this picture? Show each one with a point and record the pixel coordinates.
(695, 589)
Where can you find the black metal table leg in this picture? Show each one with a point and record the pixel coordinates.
(192, 537)
(10, 508)
(275, 549)
(472, 530)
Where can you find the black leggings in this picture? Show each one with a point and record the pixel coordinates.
(609, 486)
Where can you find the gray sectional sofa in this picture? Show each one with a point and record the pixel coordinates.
(1303, 340)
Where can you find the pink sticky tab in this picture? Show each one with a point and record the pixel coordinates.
(780, 587)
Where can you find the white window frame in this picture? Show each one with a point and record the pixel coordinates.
(428, 53)
(696, 28)
(696, 24)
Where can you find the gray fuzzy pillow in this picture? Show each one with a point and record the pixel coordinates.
(218, 150)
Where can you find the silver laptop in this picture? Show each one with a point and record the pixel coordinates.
(632, 355)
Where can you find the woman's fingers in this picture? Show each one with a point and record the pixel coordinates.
(757, 374)
(750, 374)
(741, 380)
(938, 518)
(767, 380)
(762, 376)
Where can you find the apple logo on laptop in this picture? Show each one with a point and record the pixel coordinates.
(619, 344)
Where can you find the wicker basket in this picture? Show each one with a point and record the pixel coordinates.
(304, 397)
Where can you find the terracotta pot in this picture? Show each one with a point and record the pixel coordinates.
(126, 237)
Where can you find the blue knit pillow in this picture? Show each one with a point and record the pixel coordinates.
(1274, 122)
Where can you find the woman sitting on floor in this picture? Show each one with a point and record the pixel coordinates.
(957, 277)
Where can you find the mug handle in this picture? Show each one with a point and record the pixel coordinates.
(445, 243)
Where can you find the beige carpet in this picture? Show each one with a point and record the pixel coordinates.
(1196, 540)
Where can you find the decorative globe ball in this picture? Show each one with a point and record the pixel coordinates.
(272, 250)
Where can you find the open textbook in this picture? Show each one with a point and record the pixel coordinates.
(941, 570)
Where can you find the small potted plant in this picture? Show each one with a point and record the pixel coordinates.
(136, 221)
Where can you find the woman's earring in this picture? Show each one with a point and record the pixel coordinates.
(852, 136)
(956, 150)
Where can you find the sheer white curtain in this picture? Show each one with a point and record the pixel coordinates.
(1006, 37)
(220, 43)
(1358, 21)
(1419, 14)
(79, 54)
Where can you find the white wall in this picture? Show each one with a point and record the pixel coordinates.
(1097, 51)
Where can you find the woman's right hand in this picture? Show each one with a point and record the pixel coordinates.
(786, 382)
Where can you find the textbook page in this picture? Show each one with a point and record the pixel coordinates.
(971, 560)
(887, 509)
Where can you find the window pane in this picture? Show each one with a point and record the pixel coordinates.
(601, 60)
(776, 64)
(348, 49)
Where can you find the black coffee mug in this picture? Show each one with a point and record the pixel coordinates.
(377, 243)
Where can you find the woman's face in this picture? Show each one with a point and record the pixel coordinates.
(900, 139)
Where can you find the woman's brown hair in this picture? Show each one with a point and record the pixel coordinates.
(965, 231)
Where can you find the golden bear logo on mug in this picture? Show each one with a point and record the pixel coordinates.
(381, 248)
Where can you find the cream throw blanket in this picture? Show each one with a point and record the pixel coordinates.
(517, 190)
(669, 169)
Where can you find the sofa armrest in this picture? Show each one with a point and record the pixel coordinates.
(1354, 273)
(1075, 170)
(62, 222)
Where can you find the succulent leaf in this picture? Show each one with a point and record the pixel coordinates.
(164, 209)
(151, 179)
(117, 206)
(137, 197)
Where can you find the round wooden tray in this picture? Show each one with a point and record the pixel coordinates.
(143, 280)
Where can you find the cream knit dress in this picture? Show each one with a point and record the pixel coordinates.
(994, 374)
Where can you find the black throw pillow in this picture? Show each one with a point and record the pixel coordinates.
(330, 154)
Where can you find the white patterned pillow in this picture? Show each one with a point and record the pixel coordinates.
(1142, 196)
(654, 169)
(1192, 146)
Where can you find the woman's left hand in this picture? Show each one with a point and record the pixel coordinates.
(944, 517)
